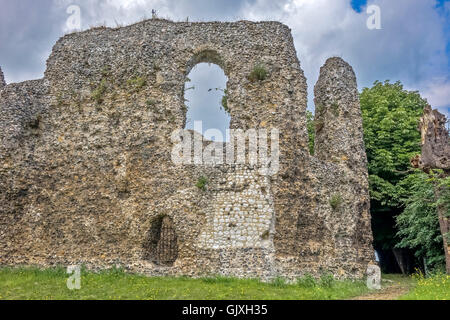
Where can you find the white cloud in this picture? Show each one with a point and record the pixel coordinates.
(113, 12)
(410, 47)
(437, 92)
(125, 12)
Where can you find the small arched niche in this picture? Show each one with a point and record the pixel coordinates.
(161, 246)
(205, 96)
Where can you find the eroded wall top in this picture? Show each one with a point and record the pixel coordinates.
(163, 53)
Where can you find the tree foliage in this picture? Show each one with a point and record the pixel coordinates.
(401, 198)
(418, 224)
(390, 118)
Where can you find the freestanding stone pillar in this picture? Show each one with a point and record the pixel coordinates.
(339, 132)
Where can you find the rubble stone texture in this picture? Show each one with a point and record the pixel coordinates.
(435, 141)
(86, 175)
(2, 80)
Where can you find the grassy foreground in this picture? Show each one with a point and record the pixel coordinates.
(28, 283)
(436, 287)
(50, 284)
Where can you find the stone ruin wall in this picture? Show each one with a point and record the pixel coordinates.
(2, 80)
(85, 159)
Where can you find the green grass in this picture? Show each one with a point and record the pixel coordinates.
(436, 287)
(32, 283)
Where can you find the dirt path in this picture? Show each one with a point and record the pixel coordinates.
(390, 291)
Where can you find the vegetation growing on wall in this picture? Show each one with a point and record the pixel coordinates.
(224, 101)
(201, 183)
(97, 94)
(311, 130)
(136, 83)
(336, 201)
(259, 73)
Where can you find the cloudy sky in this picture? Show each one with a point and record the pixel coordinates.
(413, 44)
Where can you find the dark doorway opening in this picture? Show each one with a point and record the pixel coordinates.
(161, 245)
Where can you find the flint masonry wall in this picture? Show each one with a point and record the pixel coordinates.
(2, 80)
(85, 165)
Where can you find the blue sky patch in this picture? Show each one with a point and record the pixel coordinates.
(357, 5)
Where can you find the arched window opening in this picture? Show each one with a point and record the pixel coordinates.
(161, 244)
(206, 100)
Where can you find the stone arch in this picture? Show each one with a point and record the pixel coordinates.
(208, 56)
(161, 246)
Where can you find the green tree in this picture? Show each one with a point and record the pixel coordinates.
(390, 119)
(418, 224)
